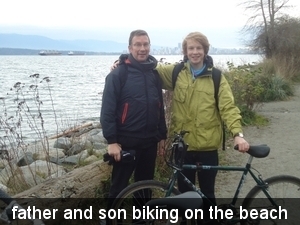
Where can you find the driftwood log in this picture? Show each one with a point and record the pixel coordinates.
(75, 190)
(71, 130)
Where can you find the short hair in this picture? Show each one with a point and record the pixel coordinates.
(137, 33)
(197, 36)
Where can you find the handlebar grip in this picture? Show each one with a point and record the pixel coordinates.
(180, 146)
(126, 156)
(180, 154)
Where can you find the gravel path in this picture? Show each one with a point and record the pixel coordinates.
(282, 135)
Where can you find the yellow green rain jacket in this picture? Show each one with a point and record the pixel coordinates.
(194, 109)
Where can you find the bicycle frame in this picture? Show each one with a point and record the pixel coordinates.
(246, 169)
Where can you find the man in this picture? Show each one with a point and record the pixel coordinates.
(132, 114)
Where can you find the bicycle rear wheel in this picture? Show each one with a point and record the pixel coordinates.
(285, 191)
(137, 194)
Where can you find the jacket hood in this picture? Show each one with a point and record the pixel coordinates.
(150, 64)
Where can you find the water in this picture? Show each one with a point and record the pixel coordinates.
(76, 86)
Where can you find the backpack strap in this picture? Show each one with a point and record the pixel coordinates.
(123, 74)
(216, 76)
(178, 67)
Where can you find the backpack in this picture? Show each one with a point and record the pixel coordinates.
(216, 76)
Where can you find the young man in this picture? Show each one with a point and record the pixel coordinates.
(194, 109)
(132, 114)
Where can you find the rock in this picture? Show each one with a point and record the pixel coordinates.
(7, 172)
(52, 153)
(35, 173)
(75, 149)
(73, 159)
(98, 145)
(90, 159)
(3, 187)
(63, 143)
(25, 159)
(49, 159)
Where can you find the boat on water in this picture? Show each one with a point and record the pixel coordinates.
(76, 53)
(49, 53)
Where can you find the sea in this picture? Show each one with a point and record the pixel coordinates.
(69, 90)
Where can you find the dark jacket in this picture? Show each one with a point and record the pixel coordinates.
(132, 108)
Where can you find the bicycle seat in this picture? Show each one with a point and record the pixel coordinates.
(258, 151)
(188, 200)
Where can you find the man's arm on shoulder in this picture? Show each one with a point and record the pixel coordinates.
(165, 74)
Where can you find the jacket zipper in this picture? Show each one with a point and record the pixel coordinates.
(125, 110)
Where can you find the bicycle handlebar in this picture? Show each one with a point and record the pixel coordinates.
(126, 157)
(179, 148)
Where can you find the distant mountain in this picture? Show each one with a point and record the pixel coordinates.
(37, 42)
(19, 44)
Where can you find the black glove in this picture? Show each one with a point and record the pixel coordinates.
(126, 157)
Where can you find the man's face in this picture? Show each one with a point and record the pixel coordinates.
(140, 48)
(195, 53)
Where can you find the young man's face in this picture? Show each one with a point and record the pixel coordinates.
(195, 52)
(140, 48)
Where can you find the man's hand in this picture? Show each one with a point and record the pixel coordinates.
(114, 150)
(161, 147)
(115, 65)
(243, 145)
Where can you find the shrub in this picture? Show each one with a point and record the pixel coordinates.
(276, 88)
(253, 84)
(245, 84)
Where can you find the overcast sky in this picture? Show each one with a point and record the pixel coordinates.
(166, 21)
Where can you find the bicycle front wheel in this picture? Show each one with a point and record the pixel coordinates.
(285, 191)
(134, 197)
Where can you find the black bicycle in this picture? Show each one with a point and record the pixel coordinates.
(271, 201)
(10, 212)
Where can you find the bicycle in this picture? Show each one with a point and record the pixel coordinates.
(10, 212)
(268, 194)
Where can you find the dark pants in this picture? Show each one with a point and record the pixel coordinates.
(206, 178)
(143, 168)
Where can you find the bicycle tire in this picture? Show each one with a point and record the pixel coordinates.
(7, 214)
(284, 190)
(134, 191)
